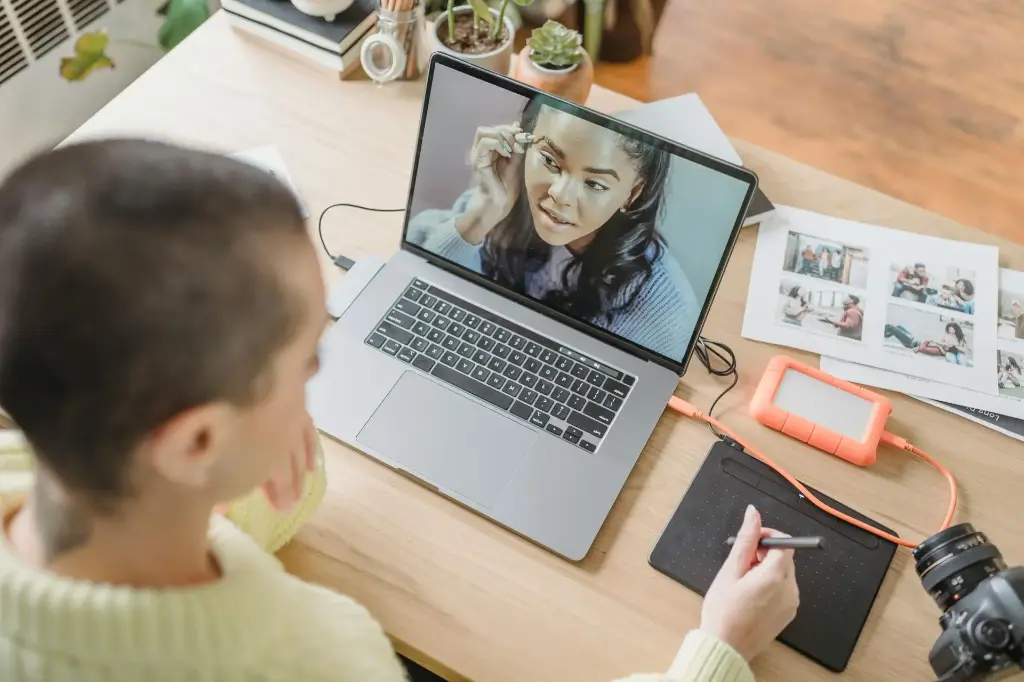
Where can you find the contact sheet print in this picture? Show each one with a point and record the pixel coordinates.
(921, 306)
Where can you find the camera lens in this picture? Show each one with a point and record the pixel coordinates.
(953, 562)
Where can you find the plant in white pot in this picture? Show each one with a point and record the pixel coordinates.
(477, 33)
(554, 61)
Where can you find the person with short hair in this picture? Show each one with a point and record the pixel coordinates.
(851, 324)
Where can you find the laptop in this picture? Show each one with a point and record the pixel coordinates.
(555, 269)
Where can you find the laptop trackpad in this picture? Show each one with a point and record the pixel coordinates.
(447, 439)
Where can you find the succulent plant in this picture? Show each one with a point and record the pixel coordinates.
(555, 46)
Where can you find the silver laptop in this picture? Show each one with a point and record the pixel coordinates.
(555, 270)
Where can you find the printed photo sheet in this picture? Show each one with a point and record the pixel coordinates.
(1006, 374)
(904, 302)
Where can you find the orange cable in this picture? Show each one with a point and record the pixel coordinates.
(689, 410)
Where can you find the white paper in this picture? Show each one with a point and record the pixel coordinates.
(268, 158)
(685, 120)
(799, 298)
(1007, 373)
(1008, 426)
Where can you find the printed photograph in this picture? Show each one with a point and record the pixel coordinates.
(820, 310)
(942, 286)
(929, 334)
(1011, 314)
(1010, 376)
(827, 260)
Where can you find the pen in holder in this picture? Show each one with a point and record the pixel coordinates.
(396, 51)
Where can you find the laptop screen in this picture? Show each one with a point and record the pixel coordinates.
(615, 228)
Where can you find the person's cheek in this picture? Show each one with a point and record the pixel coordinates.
(596, 208)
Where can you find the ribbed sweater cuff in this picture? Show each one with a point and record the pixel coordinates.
(704, 657)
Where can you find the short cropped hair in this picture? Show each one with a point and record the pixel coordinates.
(855, 299)
(136, 281)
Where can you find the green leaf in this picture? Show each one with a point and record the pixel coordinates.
(522, 3)
(183, 17)
(482, 10)
(90, 55)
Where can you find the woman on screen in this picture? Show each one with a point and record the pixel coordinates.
(566, 212)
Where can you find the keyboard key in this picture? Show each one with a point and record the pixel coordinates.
(467, 384)
(548, 356)
(420, 345)
(599, 413)
(539, 419)
(496, 381)
(517, 342)
(512, 372)
(563, 363)
(551, 428)
(545, 387)
(517, 358)
(561, 395)
(465, 350)
(487, 328)
(521, 410)
(436, 335)
(392, 332)
(571, 437)
(400, 319)
(577, 402)
(496, 364)
(628, 380)
(611, 402)
(391, 347)
(532, 349)
(563, 380)
(580, 371)
(596, 394)
(450, 342)
(456, 329)
(442, 307)
(615, 388)
(481, 357)
(457, 314)
(471, 336)
(465, 366)
(441, 322)
(528, 380)
(406, 354)
(574, 431)
(428, 300)
(421, 329)
(471, 321)
(423, 362)
(427, 315)
(486, 343)
(579, 386)
(560, 411)
(481, 374)
(545, 404)
(588, 425)
(419, 284)
(548, 372)
(413, 294)
(528, 396)
(512, 389)
(533, 365)
(502, 350)
(450, 359)
(435, 351)
(376, 340)
(587, 445)
(596, 378)
(407, 307)
(503, 335)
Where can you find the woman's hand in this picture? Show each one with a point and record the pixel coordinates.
(496, 159)
(754, 596)
(284, 489)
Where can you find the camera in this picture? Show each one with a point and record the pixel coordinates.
(982, 603)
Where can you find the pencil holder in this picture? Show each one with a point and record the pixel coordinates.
(396, 51)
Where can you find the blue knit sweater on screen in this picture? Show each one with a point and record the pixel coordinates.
(662, 317)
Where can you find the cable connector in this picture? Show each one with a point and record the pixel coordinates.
(896, 441)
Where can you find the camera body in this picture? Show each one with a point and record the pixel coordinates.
(982, 602)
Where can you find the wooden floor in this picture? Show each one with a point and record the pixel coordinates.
(920, 99)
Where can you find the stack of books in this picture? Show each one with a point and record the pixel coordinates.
(332, 44)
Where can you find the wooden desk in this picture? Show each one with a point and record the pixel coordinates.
(453, 590)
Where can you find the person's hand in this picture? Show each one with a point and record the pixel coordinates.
(284, 489)
(754, 596)
(496, 158)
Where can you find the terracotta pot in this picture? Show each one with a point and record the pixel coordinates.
(571, 84)
(498, 60)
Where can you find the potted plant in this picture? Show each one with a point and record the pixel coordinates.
(554, 61)
(476, 33)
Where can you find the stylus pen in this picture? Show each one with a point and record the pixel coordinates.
(785, 543)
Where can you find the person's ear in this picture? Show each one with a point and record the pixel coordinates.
(185, 449)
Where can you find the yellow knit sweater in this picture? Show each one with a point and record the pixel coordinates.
(255, 623)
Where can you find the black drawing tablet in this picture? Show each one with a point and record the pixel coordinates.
(838, 584)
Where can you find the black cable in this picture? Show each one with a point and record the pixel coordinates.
(704, 350)
(320, 222)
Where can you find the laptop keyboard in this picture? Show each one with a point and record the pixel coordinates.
(536, 379)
